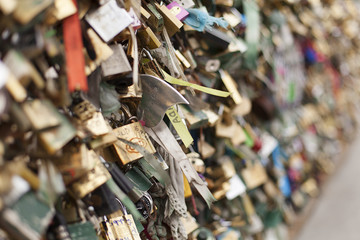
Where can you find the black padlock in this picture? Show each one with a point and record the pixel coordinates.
(58, 229)
(142, 199)
(103, 200)
(218, 40)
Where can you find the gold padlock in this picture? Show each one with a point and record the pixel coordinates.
(233, 131)
(172, 24)
(155, 20)
(90, 119)
(90, 181)
(121, 225)
(133, 132)
(23, 69)
(75, 162)
(254, 175)
(107, 231)
(148, 38)
(41, 113)
(124, 227)
(27, 10)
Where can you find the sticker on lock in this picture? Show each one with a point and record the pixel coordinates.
(134, 133)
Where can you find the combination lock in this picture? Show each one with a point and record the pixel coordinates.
(145, 205)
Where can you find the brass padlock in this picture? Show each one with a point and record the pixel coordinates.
(172, 24)
(55, 138)
(92, 120)
(28, 10)
(182, 59)
(155, 21)
(195, 119)
(60, 10)
(75, 162)
(107, 232)
(148, 38)
(254, 175)
(22, 69)
(44, 108)
(122, 226)
(90, 181)
(231, 85)
(133, 132)
(233, 131)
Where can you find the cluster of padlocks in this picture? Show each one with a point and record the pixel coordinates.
(184, 119)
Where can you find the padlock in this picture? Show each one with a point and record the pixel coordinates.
(117, 64)
(59, 11)
(58, 228)
(101, 49)
(145, 203)
(22, 69)
(25, 12)
(230, 84)
(254, 175)
(205, 149)
(172, 24)
(190, 58)
(224, 171)
(14, 87)
(233, 17)
(195, 119)
(89, 181)
(233, 131)
(218, 40)
(148, 38)
(135, 133)
(109, 20)
(55, 138)
(135, 184)
(107, 232)
(34, 109)
(21, 218)
(78, 225)
(182, 59)
(138, 179)
(75, 161)
(237, 187)
(103, 200)
(122, 225)
(103, 141)
(19, 116)
(90, 118)
(155, 21)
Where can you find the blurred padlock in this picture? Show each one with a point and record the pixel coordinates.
(89, 181)
(117, 64)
